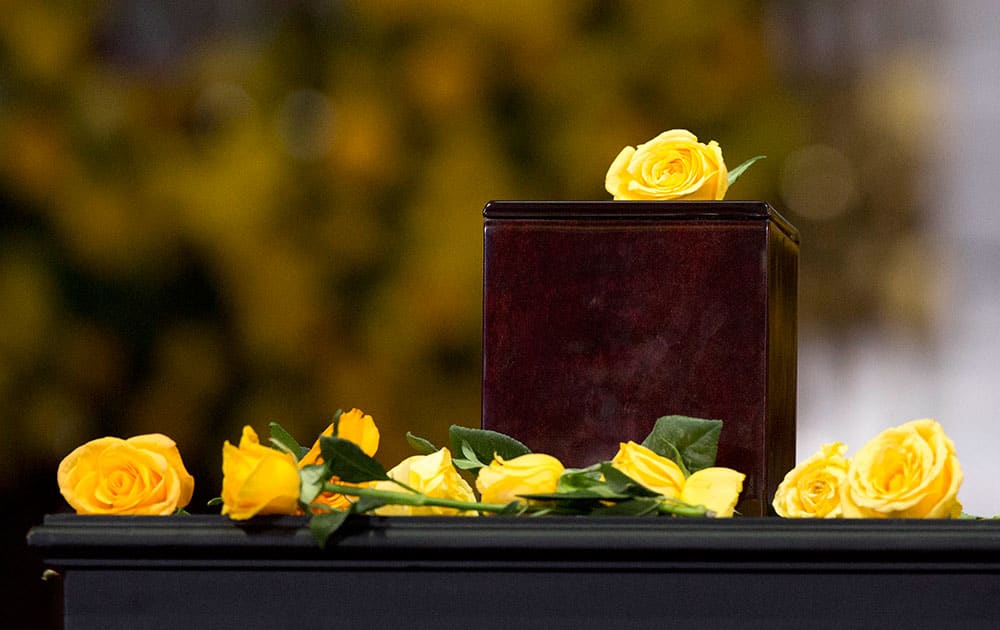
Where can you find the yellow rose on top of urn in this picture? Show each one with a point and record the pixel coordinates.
(909, 471)
(671, 166)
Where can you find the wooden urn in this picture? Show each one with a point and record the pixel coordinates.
(601, 316)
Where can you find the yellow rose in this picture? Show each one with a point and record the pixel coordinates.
(433, 475)
(909, 471)
(673, 165)
(503, 480)
(355, 426)
(140, 475)
(717, 489)
(257, 479)
(812, 489)
(657, 473)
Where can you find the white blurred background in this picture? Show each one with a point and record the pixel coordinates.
(938, 68)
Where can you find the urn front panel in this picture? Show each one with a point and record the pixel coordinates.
(600, 317)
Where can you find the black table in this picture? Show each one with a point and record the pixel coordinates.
(495, 572)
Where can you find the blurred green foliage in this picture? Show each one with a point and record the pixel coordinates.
(274, 219)
(212, 219)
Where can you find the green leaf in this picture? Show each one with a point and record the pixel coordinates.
(465, 464)
(324, 524)
(311, 480)
(420, 445)
(470, 454)
(739, 170)
(694, 440)
(348, 462)
(485, 443)
(214, 501)
(284, 441)
(469, 460)
(580, 479)
(670, 452)
(598, 483)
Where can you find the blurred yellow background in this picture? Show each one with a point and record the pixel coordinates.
(215, 214)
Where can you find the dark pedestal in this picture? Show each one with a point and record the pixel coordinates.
(600, 317)
(204, 572)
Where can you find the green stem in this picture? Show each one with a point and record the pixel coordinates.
(409, 498)
(684, 509)
(404, 486)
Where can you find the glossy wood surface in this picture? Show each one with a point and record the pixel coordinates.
(600, 317)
